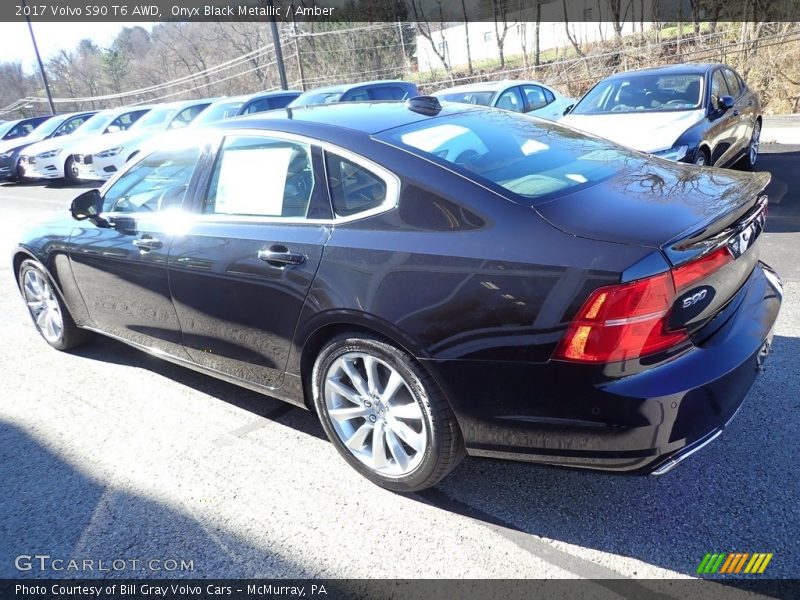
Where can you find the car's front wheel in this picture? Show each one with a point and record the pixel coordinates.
(753, 147)
(49, 313)
(71, 174)
(385, 414)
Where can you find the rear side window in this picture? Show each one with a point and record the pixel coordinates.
(354, 189)
(261, 176)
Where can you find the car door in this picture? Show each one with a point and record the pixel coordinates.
(121, 268)
(240, 275)
(743, 110)
(722, 133)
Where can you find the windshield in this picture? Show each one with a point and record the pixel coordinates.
(643, 92)
(482, 98)
(48, 127)
(310, 98)
(6, 127)
(218, 112)
(514, 153)
(94, 123)
(158, 118)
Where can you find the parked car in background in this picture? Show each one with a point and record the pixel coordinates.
(20, 128)
(697, 113)
(367, 91)
(431, 281)
(52, 158)
(52, 128)
(529, 97)
(233, 106)
(101, 157)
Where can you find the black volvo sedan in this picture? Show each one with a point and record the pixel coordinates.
(432, 281)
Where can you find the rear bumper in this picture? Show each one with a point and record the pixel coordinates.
(632, 418)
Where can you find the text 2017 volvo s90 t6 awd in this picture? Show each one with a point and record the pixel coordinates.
(431, 281)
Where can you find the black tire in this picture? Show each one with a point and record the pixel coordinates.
(444, 443)
(70, 172)
(702, 158)
(71, 336)
(752, 152)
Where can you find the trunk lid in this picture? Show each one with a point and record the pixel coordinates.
(656, 204)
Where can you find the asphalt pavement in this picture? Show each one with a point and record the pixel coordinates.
(107, 453)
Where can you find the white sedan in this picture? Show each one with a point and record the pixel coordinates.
(529, 97)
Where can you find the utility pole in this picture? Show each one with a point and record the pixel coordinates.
(276, 43)
(39, 60)
(297, 55)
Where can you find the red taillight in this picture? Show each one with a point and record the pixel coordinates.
(694, 271)
(627, 321)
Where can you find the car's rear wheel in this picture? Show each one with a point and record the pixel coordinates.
(71, 171)
(751, 157)
(49, 314)
(384, 413)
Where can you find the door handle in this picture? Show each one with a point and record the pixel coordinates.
(281, 256)
(148, 243)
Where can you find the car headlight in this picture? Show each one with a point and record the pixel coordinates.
(49, 153)
(674, 153)
(109, 152)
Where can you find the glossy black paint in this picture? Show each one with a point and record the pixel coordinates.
(478, 287)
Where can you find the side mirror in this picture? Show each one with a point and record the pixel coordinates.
(726, 102)
(113, 129)
(88, 206)
(568, 109)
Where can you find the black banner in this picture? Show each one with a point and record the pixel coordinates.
(431, 11)
(347, 589)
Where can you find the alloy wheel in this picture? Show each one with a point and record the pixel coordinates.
(374, 414)
(755, 142)
(43, 305)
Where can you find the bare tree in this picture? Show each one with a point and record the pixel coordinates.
(501, 27)
(428, 31)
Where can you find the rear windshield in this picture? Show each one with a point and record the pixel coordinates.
(312, 98)
(482, 98)
(532, 159)
(643, 92)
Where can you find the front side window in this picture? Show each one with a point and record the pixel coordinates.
(261, 176)
(156, 183)
(123, 122)
(354, 189)
(718, 89)
(733, 83)
(534, 97)
(510, 100)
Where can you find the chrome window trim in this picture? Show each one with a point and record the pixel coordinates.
(391, 180)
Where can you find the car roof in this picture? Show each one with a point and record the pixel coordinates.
(365, 117)
(683, 68)
(487, 86)
(343, 87)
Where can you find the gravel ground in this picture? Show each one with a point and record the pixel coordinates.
(107, 453)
